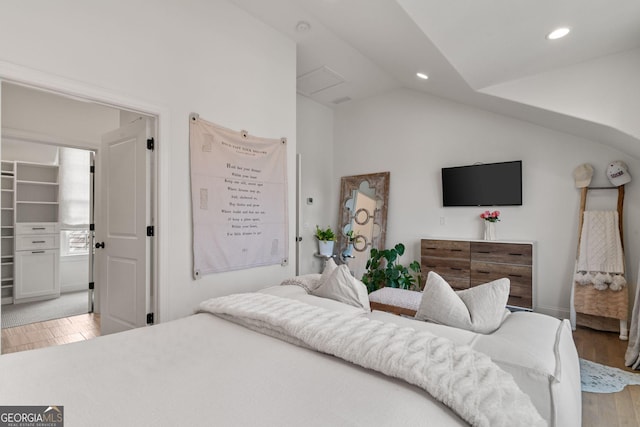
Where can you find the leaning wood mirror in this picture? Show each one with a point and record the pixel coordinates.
(363, 210)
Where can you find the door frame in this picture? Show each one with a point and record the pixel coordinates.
(16, 74)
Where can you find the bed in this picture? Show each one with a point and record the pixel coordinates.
(208, 370)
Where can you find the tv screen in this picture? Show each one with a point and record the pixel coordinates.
(491, 184)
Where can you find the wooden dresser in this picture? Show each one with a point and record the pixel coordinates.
(465, 263)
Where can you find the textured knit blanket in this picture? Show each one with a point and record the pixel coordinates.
(463, 379)
(600, 243)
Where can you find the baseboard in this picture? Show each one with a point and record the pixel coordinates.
(556, 312)
(73, 288)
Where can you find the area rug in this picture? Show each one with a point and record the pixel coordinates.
(70, 304)
(597, 378)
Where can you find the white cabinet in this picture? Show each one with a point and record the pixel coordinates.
(37, 234)
(37, 274)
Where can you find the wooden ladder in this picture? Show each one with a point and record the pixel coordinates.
(605, 310)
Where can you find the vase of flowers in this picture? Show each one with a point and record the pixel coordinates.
(490, 219)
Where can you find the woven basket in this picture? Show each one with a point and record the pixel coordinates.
(606, 303)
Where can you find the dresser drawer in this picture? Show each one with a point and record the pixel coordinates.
(36, 228)
(524, 302)
(483, 272)
(507, 253)
(445, 248)
(36, 242)
(454, 271)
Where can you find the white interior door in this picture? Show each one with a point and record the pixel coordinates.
(122, 246)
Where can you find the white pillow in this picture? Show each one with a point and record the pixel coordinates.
(478, 309)
(329, 266)
(342, 286)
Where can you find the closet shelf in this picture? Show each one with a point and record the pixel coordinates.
(28, 202)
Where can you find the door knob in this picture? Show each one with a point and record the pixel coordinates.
(99, 245)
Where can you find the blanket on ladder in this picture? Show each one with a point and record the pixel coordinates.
(463, 379)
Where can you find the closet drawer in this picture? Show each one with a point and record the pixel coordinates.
(37, 242)
(37, 228)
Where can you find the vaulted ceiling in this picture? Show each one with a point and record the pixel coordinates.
(482, 53)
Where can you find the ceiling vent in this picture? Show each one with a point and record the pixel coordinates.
(341, 100)
(318, 80)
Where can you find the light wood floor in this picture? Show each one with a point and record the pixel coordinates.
(51, 332)
(598, 410)
(607, 409)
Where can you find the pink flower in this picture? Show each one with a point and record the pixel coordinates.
(490, 216)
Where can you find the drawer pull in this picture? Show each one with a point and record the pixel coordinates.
(456, 250)
(455, 268)
(432, 248)
(37, 228)
(514, 254)
(38, 241)
(484, 252)
(37, 252)
(484, 272)
(514, 296)
(430, 266)
(515, 275)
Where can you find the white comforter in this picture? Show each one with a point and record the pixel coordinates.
(203, 370)
(466, 380)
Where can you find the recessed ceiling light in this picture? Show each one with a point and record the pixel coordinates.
(558, 33)
(423, 76)
(303, 27)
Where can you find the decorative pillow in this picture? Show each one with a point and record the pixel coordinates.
(478, 309)
(329, 266)
(342, 286)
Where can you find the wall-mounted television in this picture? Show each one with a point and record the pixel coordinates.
(490, 184)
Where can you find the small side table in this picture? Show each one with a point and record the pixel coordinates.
(324, 257)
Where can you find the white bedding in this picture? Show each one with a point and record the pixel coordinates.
(203, 370)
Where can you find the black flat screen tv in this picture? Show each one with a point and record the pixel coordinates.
(490, 184)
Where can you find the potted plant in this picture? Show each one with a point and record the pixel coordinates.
(326, 239)
(384, 269)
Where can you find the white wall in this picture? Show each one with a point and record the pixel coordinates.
(204, 56)
(414, 135)
(61, 120)
(29, 152)
(605, 90)
(315, 145)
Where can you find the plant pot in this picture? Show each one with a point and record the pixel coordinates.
(325, 247)
(489, 230)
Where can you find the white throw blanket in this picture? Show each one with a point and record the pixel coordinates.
(600, 256)
(463, 379)
(600, 244)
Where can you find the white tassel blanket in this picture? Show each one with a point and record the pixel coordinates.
(600, 256)
(463, 379)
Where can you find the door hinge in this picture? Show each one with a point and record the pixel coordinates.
(92, 285)
(151, 231)
(92, 169)
(151, 144)
(92, 227)
(149, 318)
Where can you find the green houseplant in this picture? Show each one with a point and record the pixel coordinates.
(326, 239)
(384, 269)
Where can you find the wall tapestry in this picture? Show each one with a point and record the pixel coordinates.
(239, 199)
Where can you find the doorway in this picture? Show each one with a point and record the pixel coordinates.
(48, 209)
(24, 122)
